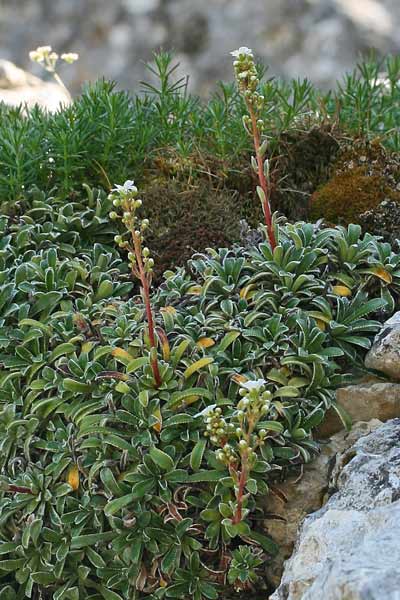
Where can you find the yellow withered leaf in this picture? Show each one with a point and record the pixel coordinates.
(168, 309)
(73, 477)
(195, 290)
(341, 290)
(245, 291)
(237, 378)
(190, 400)
(157, 426)
(122, 355)
(383, 274)
(87, 346)
(205, 342)
(165, 347)
(166, 350)
(320, 324)
(196, 366)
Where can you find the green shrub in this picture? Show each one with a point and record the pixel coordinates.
(113, 487)
(107, 136)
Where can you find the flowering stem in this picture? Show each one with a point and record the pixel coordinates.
(124, 197)
(261, 176)
(146, 299)
(244, 471)
(61, 83)
(240, 493)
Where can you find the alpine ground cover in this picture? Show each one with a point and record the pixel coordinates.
(142, 428)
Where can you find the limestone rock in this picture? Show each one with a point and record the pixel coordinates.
(349, 549)
(19, 87)
(384, 355)
(366, 401)
(305, 495)
(372, 398)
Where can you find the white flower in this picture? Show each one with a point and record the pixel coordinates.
(206, 411)
(41, 53)
(253, 385)
(35, 56)
(70, 57)
(128, 187)
(43, 49)
(243, 51)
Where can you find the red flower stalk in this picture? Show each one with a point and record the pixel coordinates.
(248, 82)
(124, 197)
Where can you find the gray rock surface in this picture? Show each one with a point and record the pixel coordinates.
(319, 39)
(349, 550)
(19, 87)
(384, 355)
(291, 501)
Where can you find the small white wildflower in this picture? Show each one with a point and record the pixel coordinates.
(43, 49)
(70, 57)
(206, 411)
(35, 56)
(128, 187)
(253, 385)
(242, 51)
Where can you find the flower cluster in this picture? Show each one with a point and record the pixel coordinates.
(70, 57)
(248, 82)
(245, 71)
(124, 198)
(254, 404)
(217, 427)
(45, 56)
(239, 437)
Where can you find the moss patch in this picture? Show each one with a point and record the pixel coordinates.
(190, 219)
(363, 176)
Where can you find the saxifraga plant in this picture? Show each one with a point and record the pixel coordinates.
(140, 435)
(124, 198)
(114, 488)
(248, 82)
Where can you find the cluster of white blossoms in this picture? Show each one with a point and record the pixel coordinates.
(124, 199)
(239, 436)
(245, 71)
(248, 81)
(45, 56)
